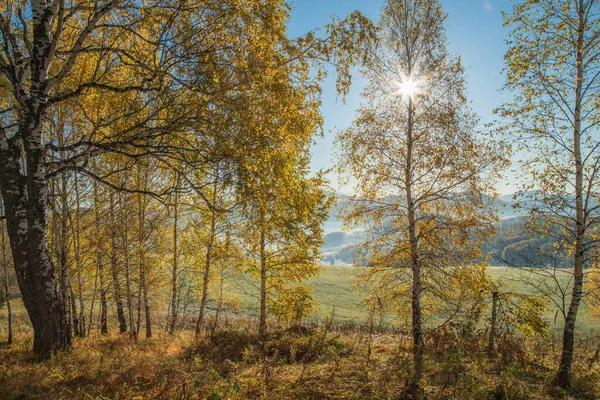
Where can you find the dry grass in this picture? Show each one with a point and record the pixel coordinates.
(309, 363)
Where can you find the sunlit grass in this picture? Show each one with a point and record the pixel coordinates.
(335, 292)
(344, 362)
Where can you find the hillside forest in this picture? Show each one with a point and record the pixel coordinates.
(163, 235)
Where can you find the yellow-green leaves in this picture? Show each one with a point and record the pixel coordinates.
(423, 173)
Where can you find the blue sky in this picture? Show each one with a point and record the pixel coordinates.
(475, 32)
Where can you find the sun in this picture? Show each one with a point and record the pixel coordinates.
(409, 88)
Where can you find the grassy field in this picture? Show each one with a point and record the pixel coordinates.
(321, 362)
(335, 292)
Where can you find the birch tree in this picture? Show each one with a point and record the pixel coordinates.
(43, 45)
(553, 67)
(214, 224)
(283, 237)
(422, 171)
(136, 63)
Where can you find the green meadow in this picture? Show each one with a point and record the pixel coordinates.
(336, 293)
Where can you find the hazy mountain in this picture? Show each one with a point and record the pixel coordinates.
(339, 247)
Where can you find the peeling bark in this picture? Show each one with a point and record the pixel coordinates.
(25, 194)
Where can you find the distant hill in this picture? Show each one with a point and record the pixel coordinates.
(340, 247)
(504, 204)
(509, 243)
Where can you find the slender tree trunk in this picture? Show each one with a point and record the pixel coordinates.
(132, 327)
(417, 323)
(492, 338)
(205, 279)
(115, 268)
(6, 281)
(100, 264)
(133, 330)
(174, 303)
(9, 339)
(142, 287)
(125, 243)
(73, 304)
(64, 239)
(117, 290)
(139, 299)
(146, 306)
(207, 265)
(103, 301)
(221, 284)
(262, 327)
(187, 299)
(59, 232)
(219, 302)
(55, 228)
(566, 359)
(94, 293)
(81, 319)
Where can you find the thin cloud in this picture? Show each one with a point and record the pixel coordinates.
(487, 5)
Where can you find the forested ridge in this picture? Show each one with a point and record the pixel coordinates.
(155, 172)
(511, 245)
